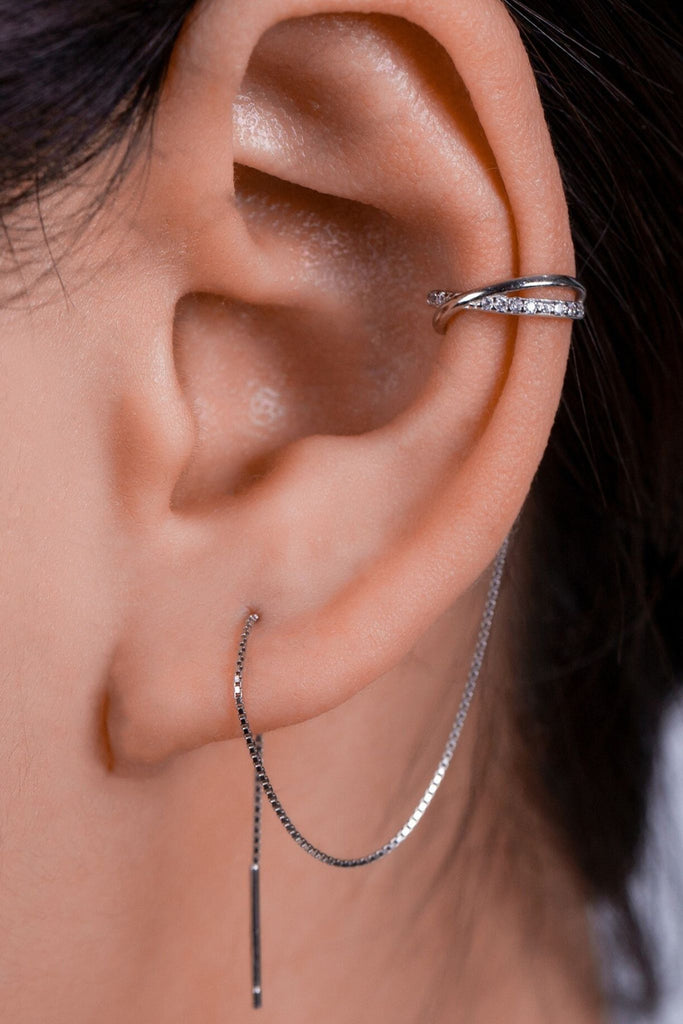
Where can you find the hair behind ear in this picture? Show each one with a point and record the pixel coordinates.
(602, 533)
(76, 79)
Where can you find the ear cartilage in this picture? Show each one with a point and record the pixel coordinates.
(496, 298)
(263, 783)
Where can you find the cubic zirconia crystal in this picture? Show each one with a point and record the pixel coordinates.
(437, 298)
(530, 306)
(516, 305)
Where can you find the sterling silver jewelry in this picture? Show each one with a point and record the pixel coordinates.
(495, 298)
(262, 781)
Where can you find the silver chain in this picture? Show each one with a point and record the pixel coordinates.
(263, 783)
(254, 743)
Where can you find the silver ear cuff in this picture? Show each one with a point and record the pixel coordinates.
(262, 781)
(496, 298)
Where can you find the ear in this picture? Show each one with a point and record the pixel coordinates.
(297, 439)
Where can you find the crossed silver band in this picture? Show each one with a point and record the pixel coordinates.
(495, 298)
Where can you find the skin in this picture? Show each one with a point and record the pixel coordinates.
(232, 398)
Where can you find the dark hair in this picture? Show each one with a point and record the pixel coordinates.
(602, 654)
(601, 538)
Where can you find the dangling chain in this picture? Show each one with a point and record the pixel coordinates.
(262, 782)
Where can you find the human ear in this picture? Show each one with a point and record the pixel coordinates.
(295, 438)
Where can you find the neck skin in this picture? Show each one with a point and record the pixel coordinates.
(481, 928)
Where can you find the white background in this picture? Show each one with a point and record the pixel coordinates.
(659, 889)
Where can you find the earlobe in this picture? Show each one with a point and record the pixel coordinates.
(398, 463)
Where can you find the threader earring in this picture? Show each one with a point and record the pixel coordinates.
(262, 781)
(493, 299)
(496, 298)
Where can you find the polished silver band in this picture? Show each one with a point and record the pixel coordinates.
(495, 298)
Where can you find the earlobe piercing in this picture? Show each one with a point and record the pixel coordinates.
(495, 298)
(263, 783)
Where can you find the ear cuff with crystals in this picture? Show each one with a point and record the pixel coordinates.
(496, 298)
